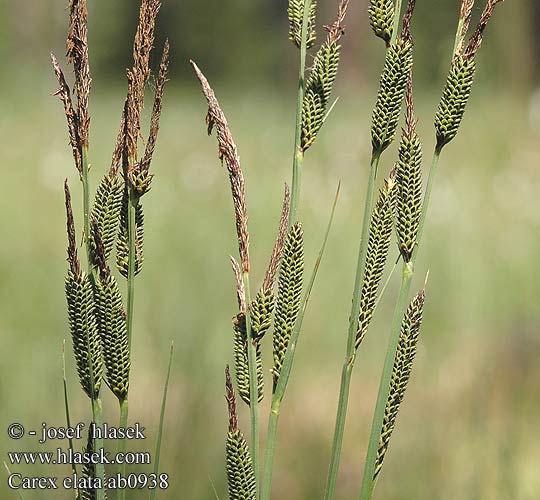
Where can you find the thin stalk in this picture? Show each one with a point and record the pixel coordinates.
(397, 15)
(350, 354)
(68, 417)
(97, 409)
(253, 390)
(213, 488)
(19, 494)
(132, 206)
(298, 163)
(286, 367)
(298, 158)
(124, 405)
(427, 197)
(161, 420)
(97, 412)
(124, 410)
(386, 283)
(271, 438)
(368, 484)
(330, 109)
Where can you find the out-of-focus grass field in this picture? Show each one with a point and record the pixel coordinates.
(468, 428)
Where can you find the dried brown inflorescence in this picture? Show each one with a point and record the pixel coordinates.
(73, 260)
(410, 120)
(119, 157)
(407, 18)
(136, 171)
(476, 39)
(240, 290)
(77, 53)
(275, 258)
(139, 74)
(156, 111)
(227, 152)
(465, 18)
(336, 30)
(100, 258)
(71, 115)
(231, 401)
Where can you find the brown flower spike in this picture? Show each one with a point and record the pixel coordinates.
(73, 260)
(71, 115)
(227, 152)
(273, 266)
(476, 39)
(139, 74)
(77, 53)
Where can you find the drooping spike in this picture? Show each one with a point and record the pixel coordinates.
(401, 372)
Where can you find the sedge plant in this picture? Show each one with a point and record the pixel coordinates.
(284, 308)
(376, 227)
(410, 224)
(400, 207)
(101, 325)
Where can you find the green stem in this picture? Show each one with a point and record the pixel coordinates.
(253, 390)
(97, 409)
(159, 438)
(298, 157)
(122, 422)
(397, 14)
(271, 438)
(427, 198)
(132, 262)
(19, 494)
(353, 322)
(286, 368)
(97, 414)
(68, 417)
(368, 484)
(132, 207)
(298, 162)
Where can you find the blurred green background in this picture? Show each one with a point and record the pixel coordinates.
(468, 428)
